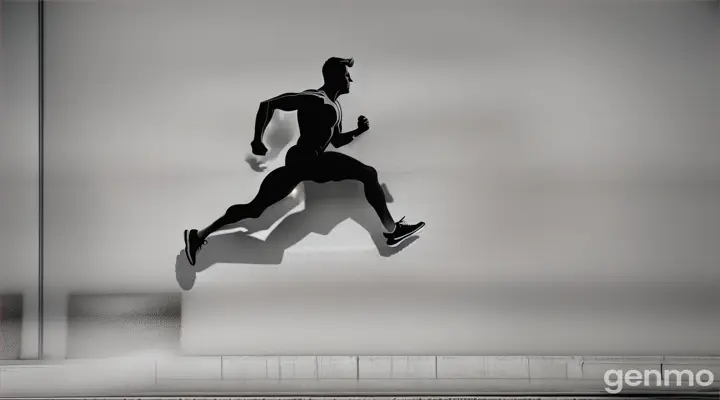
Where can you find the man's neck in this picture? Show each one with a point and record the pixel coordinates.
(332, 94)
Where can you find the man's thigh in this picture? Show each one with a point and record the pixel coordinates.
(333, 166)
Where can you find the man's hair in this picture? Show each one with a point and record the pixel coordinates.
(335, 66)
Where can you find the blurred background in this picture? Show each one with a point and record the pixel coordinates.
(564, 155)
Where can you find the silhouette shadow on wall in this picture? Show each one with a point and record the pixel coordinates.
(326, 206)
(277, 137)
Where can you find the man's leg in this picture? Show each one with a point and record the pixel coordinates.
(275, 187)
(338, 167)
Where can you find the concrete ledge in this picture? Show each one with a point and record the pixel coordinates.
(507, 367)
(691, 360)
(324, 375)
(460, 367)
(387, 387)
(338, 367)
(468, 367)
(375, 367)
(397, 367)
(250, 367)
(594, 367)
(413, 367)
(597, 370)
(298, 367)
(623, 359)
(550, 367)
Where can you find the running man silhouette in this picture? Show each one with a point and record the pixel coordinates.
(319, 119)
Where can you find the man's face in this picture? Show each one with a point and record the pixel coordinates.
(344, 81)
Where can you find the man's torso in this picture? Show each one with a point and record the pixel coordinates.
(318, 123)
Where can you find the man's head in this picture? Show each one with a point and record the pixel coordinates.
(336, 74)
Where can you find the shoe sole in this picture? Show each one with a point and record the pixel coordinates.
(408, 236)
(186, 237)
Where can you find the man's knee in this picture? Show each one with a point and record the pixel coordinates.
(369, 176)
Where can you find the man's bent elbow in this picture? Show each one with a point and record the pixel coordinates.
(266, 109)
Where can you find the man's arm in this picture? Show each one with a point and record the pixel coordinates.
(284, 102)
(341, 139)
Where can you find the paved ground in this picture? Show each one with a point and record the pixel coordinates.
(564, 158)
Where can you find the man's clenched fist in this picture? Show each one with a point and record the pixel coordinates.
(258, 148)
(363, 124)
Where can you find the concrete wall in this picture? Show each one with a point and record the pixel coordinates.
(543, 143)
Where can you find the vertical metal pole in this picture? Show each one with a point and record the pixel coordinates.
(41, 180)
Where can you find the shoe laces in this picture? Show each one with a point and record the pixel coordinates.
(401, 222)
(204, 242)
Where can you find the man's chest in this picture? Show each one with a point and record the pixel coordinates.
(328, 112)
(333, 111)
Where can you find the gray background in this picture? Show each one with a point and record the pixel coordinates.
(564, 155)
